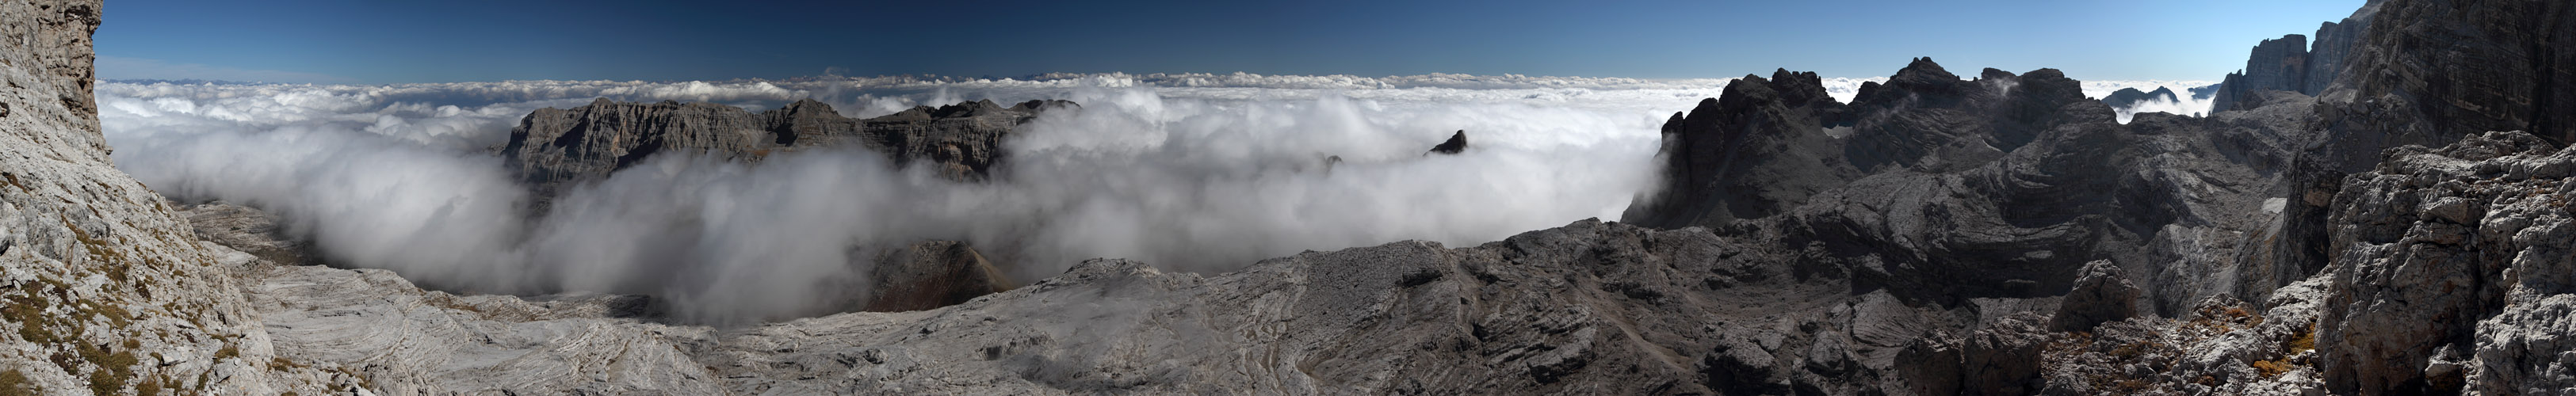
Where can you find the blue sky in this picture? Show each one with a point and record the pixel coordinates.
(470, 40)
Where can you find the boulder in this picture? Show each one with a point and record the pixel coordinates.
(2100, 295)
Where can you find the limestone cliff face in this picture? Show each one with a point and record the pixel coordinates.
(105, 289)
(2276, 65)
(551, 147)
(2465, 68)
(2292, 64)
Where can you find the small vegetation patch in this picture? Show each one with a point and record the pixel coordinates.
(2273, 368)
(151, 386)
(28, 311)
(2304, 341)
(14, 383)
(281, 364)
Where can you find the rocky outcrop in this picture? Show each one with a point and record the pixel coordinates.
(2223, 346)
(1756, 150)
(103, 288)
(247, 230)
(2003, 359)
(2453, 266)
(2100, 295)
(1456, 144)
(555, 146)
(930, 275)
(2277, 65)
(2003, 186)
(2128, 97)
(2007, 210)
(2291, 64)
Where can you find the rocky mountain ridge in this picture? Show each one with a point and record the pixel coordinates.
(1938, 235)
(2291, 64)
(551, 147)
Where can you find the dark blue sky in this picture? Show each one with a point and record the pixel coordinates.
(397, 41)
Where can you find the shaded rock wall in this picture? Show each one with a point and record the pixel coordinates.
(2461, 68)
(2292, 64)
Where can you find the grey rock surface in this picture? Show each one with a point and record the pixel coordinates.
(551, 147)
(2460, 68)
(2292, 64)
(248, 230)
(2462, 247)
(1752, 152)
(406, 341)
(103, 287)
(930, 275)
(2276, 65)
(2101, 295)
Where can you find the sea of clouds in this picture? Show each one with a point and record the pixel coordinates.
(1190, 172)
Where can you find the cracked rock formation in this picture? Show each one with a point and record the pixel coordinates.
(2455, 266)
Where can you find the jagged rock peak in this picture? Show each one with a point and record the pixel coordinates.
(1457, 143)
(1920, 80)
(1923, 69)
(1755, 149)
(1800, 88)
(1994, 74)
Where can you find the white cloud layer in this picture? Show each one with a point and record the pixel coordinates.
(2184, 103)
(1195, 172)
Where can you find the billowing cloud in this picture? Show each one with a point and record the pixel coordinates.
(2184, 103)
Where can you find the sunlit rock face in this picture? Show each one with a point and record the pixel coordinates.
(105, 288)
(2452, 270)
